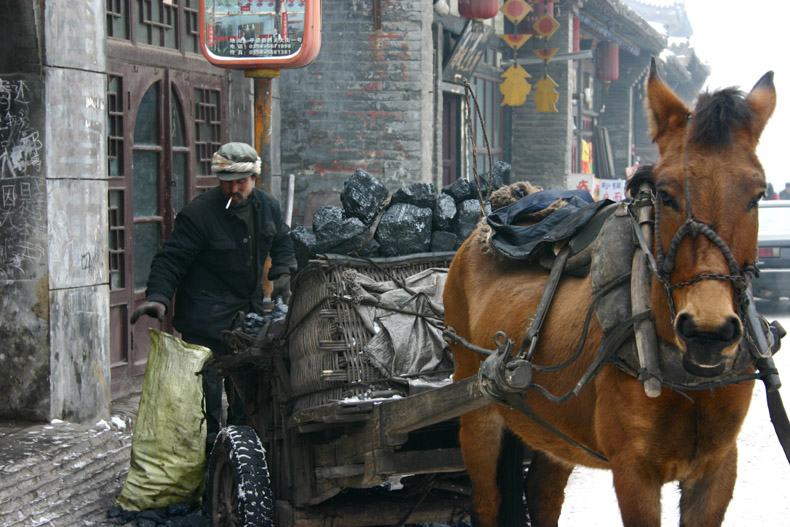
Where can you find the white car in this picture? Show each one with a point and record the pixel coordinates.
(773, 250)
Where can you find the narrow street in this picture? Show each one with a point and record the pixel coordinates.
(763, 473)
(760, 493)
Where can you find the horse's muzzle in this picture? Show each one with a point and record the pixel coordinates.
(705, 349)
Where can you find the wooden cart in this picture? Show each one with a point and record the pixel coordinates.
(330, 441)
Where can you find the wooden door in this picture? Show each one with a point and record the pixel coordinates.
(161, 124)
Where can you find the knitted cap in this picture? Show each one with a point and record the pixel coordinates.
(235, 161)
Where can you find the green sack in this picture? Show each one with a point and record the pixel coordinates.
(169, 440)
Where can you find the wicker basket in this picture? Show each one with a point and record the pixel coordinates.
(326, 336)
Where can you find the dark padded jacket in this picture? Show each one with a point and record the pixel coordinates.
(207, 262)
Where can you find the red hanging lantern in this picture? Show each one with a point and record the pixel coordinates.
(607, 63)
(478, 8)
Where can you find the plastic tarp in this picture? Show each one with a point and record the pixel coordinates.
(407, 319)
(169, 441)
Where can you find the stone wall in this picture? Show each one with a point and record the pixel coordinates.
(365, 102)
(54, 356)
(24, 299)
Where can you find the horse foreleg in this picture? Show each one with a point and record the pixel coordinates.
(704, 501)
(545, 489)
(481, 436)
(638, 495)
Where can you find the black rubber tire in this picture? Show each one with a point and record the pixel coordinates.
(239, 488)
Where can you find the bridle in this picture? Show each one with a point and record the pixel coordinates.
(665, 262)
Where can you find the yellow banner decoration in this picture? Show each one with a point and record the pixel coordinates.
(515, 87)
(515, 10)
(515, 41)
(545, 54)
(546, 95)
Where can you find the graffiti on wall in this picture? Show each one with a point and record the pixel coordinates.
(22, 215)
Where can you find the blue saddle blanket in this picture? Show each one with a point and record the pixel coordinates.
(522, 242)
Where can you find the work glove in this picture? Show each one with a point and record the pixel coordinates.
(153, 309)
(282, 288)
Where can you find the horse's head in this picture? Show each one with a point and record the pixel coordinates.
(707, 185)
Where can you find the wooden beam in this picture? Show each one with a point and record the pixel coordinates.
(401, 416)
(574, 55)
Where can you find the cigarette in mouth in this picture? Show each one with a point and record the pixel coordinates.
(229, 200)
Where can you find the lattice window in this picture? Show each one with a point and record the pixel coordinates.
(157, 23)
(117, 234)
(114, 126)
(191, 21)
(115, 169)
(207, 128)
(117, 19)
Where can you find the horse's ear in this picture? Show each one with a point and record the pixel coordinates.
(665, 111)
(762, 101)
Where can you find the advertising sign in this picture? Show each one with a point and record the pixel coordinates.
(613, 189)
(467, 52)
(268, 34)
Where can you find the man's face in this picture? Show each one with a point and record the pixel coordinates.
(239, 189)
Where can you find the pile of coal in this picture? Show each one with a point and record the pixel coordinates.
(174, 515)
(414, 220)
(253, 322)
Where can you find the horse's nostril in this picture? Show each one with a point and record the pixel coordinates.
(728, 332)
(685, 326)
(731, 330)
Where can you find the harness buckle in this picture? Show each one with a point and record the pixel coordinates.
(505, 373)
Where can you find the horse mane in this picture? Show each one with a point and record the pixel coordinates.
(643, 174)
(718, 115)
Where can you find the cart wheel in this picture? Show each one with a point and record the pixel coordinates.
(239, 489)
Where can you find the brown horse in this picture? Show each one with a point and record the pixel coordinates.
(708, 170)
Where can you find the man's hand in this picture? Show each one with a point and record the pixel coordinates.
(282, 288)
(152, 309)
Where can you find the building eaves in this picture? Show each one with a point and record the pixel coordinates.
(622, 25)
(671, 13)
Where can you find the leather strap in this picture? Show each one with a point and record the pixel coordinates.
(779, 419)
(531, 338)
(517, 401)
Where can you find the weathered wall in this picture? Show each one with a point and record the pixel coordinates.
(24, 291)
(54, 360)
(541, 141)
(20, 36)
(366, 102)
(76, 174)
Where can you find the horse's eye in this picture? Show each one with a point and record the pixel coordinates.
(667, 200)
